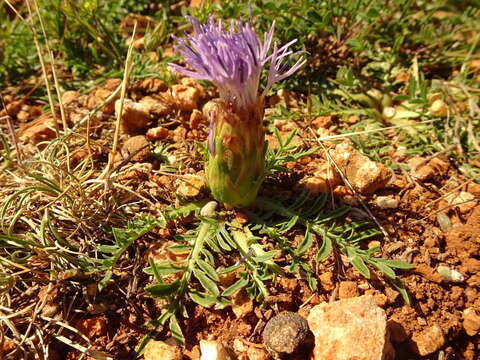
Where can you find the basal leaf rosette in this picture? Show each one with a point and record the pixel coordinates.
(233, 60)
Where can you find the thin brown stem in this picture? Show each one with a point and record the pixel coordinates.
(128, 65)
(11, 131)
(44, 68)
(52, 65)
(345, 179)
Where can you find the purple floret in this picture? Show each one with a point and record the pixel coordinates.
(233, 59)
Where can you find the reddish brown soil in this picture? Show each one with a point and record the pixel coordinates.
(116, 323)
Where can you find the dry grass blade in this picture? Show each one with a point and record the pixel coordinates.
(87, 117)
(52, 65)
(10, 325)
(13, 313)
(11, 131)
(40, 58)
(128, 67)
(444, 208)
(70, 200)
(92, 353)
(38, 308)
(334, 137)
(431, 157)
(66, 326)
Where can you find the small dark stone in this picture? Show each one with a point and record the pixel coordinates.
(284, 333)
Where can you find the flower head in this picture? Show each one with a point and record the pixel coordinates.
(233, 59)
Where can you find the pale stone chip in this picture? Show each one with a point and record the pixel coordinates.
(338, 327)
(156, 350)
(428, 341)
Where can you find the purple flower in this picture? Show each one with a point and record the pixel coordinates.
(233, 59)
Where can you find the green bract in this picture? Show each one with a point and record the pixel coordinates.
(236, 164)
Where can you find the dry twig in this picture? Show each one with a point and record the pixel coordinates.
(344, 178)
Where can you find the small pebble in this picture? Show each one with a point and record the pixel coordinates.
(208, 210)
(138, 147)
(70, 97)
(159, 106)
(385, 202)
(428, 341)
(450, 275)
(213, 350)
(439, 108)
(195, 119)
(157, 133)
(316, 185)
(242, 305)
(23, 116)
(471, 322)
(186, 97)
(327, 281)
(347, 289)
(284, 333)
(135, 116)
(190, 186)
(161, 350)
(464, 201)
(444, 221)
